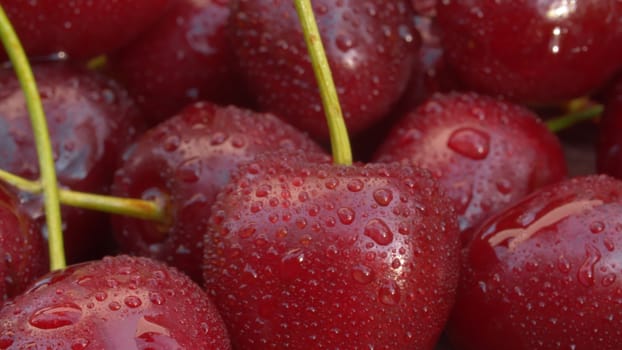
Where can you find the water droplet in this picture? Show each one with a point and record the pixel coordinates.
(389, 293)
(469, 142)
(383, 196)
(171, 143)
(504, 186)
(362, 274)
(151, 335)
(114, 306)
(291, 264)
(608, 280)
(597, 227)
(609, 245)
(563, 265)
(6, 340)
(100, 296)
(378, 230)
(355, 185)
(585, 274)
(247, 231)
(344, 43)
(189, 171)
(132, 301)
(346, 215)
(79, 344)
(56, 316)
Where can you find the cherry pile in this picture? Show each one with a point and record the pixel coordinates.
(211, 199)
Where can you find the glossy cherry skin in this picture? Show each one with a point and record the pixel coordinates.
(545, 273)
(186, 161)
(304, 255)
(609, 143)
(80, 28)
(485, 152)
(91, 120)
(23, 254)
(532, 51)
(184, 58)
(371, 47)
(115, 303)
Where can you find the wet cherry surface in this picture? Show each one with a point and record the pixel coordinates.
(186, 161)
(532, 51)
(115, 303)
(371, 47)
(316, 255)
(185, 57)
(486, 153)
(609, 149)
(545, 273)
(80, 28)
(91, 120)
(23, 254)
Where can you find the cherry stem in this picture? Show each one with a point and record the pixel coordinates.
(43, 145)
(137, 208)
(339, 140)
(574, 117)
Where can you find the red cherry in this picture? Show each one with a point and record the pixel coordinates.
(80, 28)
(545, 273)
(91, 119)
(486, 153)
(306, 255)
(115, 303)
(22, 247)
(609, 148)
(371, 47)
(186, 161)
(185, 57)
(532, 51)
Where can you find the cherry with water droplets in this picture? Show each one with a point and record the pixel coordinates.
(545, 272)
(347, 279)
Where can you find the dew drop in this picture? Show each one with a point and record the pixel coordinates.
(608, 280)
(346, 215)
(132, 301)
(344, 43)
(563, 265)
(469, 142)
(383, 196)
(114, 306)
(80, 344)
(585, 274)
(56, 316)
(389, 293)
(355, 185)
(362, 274)
(378, 230)
(597, 227)
(100, 296)
(504, 186)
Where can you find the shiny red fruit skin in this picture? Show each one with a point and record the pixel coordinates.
(186, 161)
(609, 143)
(80, 28)
(185, 57)
(485, 152)
(309, 256)
(532, 51)
(22, 247)
(371, 47)
(115, 303)
(91, 120)
(545, 273)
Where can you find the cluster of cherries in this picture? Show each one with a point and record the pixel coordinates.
(457, 226)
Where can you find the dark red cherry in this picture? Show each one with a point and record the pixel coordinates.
(185, 57)
(609, 147)
(115, 303)
(80, 28)
(532, 51)
(306, 255)
(486, 153)
(185, 161)
(371, 48)
(545, 273)
(23, 254)
(91, 120)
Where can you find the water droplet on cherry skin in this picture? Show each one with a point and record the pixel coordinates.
(57, 316)
(379, 232)
(469, 142)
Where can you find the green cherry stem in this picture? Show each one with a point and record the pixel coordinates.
(42, 141)
(565, 121)
(137, 208)
(339, 140)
